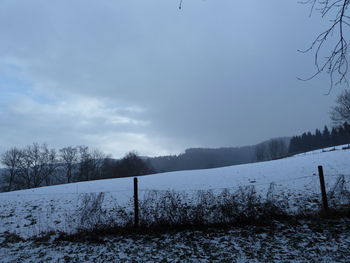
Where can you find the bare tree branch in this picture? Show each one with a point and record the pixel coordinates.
(328, 57)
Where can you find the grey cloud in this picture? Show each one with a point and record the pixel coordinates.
(217, 73)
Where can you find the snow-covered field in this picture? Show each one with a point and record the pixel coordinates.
(318, 242)
(34, 211)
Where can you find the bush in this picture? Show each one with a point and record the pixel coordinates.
(91, 214)
(172, 209)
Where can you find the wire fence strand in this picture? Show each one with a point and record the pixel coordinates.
(127, 194)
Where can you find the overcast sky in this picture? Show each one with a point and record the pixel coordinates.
(146, 76)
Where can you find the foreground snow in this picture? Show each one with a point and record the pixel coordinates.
(324, 241)
(34, 211)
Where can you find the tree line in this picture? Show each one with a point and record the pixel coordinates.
(203, 158)
(38, 165)
(271, 149)
(310, 141)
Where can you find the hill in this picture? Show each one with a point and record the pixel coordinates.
(32, 211)
(205, 158)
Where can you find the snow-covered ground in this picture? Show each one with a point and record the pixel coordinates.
(319, 242)
(328, 149)
(31, 212)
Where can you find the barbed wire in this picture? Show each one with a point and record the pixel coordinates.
(56, 211)
(50, 211)
(227, 188)
(129, 196)
(125, 192)
(7, 194)
(337, 175)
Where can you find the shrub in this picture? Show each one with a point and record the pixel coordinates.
(169, 209)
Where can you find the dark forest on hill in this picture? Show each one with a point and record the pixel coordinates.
(310, 141)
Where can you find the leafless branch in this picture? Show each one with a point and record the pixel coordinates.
(332, 60)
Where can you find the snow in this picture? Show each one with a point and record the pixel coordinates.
(276, 243)
(279, 171)
(30, 212)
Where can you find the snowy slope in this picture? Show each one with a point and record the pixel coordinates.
(278, 171)
(25, 211)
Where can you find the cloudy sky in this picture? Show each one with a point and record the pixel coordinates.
(146, 76)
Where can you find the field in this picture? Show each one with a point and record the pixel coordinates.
(35, 212)
(323, 241)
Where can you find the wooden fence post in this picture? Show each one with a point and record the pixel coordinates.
(136, 203)
(323, 188)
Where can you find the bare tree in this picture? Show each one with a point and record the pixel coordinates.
(97, 160)
(69, 157)
(261, 152)
(24, 169)
(90, 164)
(341, 112)
(132, 165)
(271, 149)
(277, 148)
(37, 163)
(50, 157)
(330, 47)
(10, 159)
(84, 163)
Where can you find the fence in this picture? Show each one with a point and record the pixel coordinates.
(32, 214)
